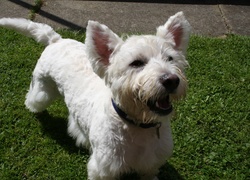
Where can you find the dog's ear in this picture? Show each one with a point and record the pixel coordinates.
(177, 31)
(100, 43)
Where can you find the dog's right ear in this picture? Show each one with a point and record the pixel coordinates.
(100, 43)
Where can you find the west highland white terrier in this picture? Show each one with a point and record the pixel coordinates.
(119, 93)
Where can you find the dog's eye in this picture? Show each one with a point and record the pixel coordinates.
(137, 63)
(170, 58)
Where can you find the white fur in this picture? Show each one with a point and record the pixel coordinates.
(88, 76)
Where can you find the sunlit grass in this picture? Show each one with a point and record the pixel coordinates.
(211, 127)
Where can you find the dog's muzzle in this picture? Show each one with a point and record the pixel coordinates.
(162, 105)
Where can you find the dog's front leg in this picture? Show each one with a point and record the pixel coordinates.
(98, 170)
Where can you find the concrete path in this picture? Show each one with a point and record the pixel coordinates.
(215, 18)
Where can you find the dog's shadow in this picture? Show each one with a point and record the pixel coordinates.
(168, 172)
(56, 128)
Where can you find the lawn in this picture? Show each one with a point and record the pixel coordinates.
(211, 127)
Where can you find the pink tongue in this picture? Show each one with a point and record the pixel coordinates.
(163, 104)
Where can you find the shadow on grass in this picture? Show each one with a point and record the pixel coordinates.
(168, 172)
(56, 128)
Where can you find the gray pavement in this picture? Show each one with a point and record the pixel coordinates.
(212, 19)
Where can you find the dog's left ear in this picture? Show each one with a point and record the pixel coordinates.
(100, 43)
(176, 30)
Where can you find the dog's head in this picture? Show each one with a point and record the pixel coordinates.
(145, 73)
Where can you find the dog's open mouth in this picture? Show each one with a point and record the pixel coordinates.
(161, 106)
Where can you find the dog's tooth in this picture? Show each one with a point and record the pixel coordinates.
(157, 104)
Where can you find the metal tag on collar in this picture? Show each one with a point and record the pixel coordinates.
(158, 129)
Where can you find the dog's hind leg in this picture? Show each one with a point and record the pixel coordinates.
(41, 94)
(77, 132)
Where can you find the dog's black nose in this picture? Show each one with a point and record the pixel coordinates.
(170, 82)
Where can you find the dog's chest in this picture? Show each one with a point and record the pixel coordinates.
(144, 149)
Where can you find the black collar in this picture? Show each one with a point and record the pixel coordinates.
(124, 116)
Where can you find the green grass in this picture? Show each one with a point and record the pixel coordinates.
(36, 8)
(211, 129)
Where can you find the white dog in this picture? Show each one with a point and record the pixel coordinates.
(118, 92)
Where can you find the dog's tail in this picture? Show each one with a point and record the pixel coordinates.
(42, 33)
